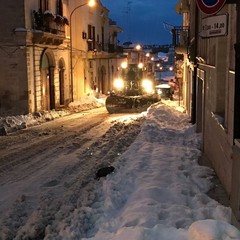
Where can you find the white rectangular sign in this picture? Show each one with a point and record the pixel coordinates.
(214, 26)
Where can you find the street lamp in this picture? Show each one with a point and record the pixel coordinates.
(138, 47)
(90, 3)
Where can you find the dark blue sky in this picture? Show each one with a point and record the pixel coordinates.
(142, 20)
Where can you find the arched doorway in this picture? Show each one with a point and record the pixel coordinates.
(47, 76)
(61, 68)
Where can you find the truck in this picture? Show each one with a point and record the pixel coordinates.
(133, 90)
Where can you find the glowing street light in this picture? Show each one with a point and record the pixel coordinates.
(124, 65)
(138, 47)
(90, 3)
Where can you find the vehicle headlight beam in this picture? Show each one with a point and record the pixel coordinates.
(118, 84)
(147, 85)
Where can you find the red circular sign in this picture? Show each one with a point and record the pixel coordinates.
(210, 6)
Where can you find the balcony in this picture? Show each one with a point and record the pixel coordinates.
(99, 47)
(180, 39)
(104, 51)
(48, 29)
(113, 48)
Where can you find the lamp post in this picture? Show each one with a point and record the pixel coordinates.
(90, 3)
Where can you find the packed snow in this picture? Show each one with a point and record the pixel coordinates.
(158, 190)
(11, 124)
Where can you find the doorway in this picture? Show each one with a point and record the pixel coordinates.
(103, 88)
(48, 87)
(200, 105)
(61, 82)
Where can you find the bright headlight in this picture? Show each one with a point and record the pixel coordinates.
(118, 84)
(124, 65)
(140, 65)
(147, 85)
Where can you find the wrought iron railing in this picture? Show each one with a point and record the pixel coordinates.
(47, 22)
(180, 36)
(110, 48)
(113, 48)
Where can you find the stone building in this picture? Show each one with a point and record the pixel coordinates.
(211, 59)
(42, 66)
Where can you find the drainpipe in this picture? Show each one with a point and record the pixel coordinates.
(194, 77)
(237, 76)
(34, 78)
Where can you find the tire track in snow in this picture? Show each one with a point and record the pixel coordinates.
(71, 156)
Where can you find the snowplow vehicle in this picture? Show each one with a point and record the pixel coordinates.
(132, 91)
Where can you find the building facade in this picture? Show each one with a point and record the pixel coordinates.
(53, 52)
(212, 98)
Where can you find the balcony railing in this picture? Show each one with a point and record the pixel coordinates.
(180, 37)
(50, 28)
(98, 47)
(112, 48)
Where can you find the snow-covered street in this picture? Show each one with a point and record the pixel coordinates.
(48, 170)
(157, 191)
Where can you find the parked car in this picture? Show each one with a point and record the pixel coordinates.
(165, 91)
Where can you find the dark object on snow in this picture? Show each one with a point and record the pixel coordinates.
(103, 172)
(3, 131)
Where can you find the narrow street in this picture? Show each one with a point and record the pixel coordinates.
(45, 168)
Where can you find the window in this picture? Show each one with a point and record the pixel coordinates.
(91, 38)
(43, 5)
(103, 38)
(89, 32)
(94, 37)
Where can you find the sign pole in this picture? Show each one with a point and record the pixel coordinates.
(237, 77)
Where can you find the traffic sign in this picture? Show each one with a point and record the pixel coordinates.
(210, 6)
(214, 26)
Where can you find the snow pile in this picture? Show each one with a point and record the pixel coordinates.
(158, 191)
(13, 123)
(212, 230)
(86, 103)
